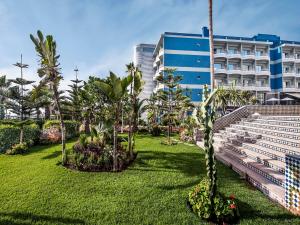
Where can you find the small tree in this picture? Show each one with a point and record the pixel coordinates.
(74, 97)
(49, 71)
(115, 89)
(171, 98)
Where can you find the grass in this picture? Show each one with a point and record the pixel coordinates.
(34, 189)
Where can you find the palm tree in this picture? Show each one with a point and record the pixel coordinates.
(49, 71)
(115, 89)
(211, 44)
(136, 87)
(40, 97)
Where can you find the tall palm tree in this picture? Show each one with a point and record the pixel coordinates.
(136, 87)
(115, 89)
(211, 44)
(49, 71)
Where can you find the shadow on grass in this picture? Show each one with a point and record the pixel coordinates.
(28, 218)
(52, 155)
(247, 212)
(191, 164)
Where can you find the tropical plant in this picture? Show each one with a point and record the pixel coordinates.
(208, 117)
(136, 87)
(40, 97)
(49, 71)
(115, 88)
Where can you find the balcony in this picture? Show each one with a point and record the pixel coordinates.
(248, 71)
(161, 52)
(262, 72)
(234, 54)
(263, 88)
(220, 70)
(291, 88)
(289, 58)
(262, 57)
(290, 73)
(220, 54)
(235, 70)
(249, 87)
(251, 55)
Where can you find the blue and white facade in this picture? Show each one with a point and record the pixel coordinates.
(263, 64)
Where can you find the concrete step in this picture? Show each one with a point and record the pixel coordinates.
(278, 122)
(272, 127)
(265, 160)
(283, 118)
(273, 154)
(278, 147)
(273, 191)
(279, 134)
(268, 173)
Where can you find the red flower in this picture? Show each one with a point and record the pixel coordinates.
(231, 196)
(232, 206)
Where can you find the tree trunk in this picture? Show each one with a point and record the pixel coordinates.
(47, 112)
(115, 147)
(21, 134)
(211, 44)
(62, 124)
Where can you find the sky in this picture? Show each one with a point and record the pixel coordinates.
(98, 36)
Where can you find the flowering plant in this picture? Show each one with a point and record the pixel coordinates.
(223, 210)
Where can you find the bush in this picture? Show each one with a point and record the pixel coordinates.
(225, 209)
(72, 127)
(17, 149)
(10, 135)
(155, 131)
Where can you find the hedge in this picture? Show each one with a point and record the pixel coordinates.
(10, 135)
(72, 127)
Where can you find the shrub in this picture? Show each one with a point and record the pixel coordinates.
(72, 127)
(10, 135)
(155, 131)
(17, 149)
(225, 209)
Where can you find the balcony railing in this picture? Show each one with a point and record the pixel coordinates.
(250, 55)
(262, 57)
(290, 73)
(220, 70)
(263, 72)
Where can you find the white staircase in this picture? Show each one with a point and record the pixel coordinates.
(256, 149)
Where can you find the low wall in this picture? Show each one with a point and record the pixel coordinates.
(245, 111)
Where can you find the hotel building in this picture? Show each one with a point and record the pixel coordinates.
(264, 63)
(143, 59)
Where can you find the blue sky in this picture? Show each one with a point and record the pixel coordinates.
(99, 35)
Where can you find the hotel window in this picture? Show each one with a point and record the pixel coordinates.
(286, 69)
(258, 68)
(218, 66)
(259, 53)
(246, 52)
(230, 66)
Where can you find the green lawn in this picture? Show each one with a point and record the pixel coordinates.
(35, 190)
